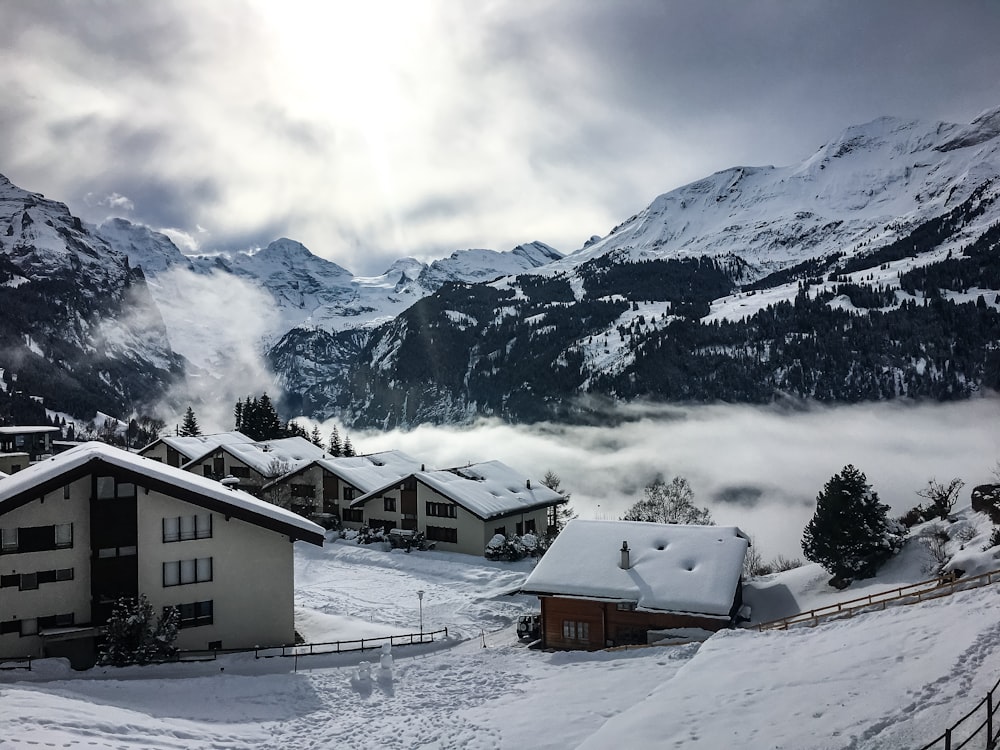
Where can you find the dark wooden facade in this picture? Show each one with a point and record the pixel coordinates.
(590, 625)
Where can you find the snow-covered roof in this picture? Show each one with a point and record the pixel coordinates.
(373, 471)
(487, 490)
(38, 478)
(673, 567)
(289, 454)
(367, 473)
(27, 430)
(197, 445)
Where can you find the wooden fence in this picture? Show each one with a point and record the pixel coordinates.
(315, 649)
(910, 594)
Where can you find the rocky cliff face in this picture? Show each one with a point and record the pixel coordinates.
(79, 327)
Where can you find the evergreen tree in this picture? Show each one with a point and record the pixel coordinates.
(132, 638)
(336, 449)
(189, 427)
(315, 437)
(668, 503)
(850, 534)
(348, 448)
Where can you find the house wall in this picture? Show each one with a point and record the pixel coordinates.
(281, 493)
(609, 626)
(54, 598)
(252, 576)
(252, 572)
(11, 463)
(472, 532)
(251, 480)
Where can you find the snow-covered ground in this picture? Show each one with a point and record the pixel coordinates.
(892, 679)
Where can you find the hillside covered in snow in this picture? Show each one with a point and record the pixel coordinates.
(884, 679)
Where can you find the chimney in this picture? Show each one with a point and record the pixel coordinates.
(625, 563)
(527, 483)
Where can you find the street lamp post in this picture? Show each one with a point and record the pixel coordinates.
(420, 603)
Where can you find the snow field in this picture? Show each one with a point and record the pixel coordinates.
(886, 680)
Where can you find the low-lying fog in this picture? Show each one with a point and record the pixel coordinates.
(755, 467)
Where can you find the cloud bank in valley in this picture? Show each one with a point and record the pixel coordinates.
(757, 467)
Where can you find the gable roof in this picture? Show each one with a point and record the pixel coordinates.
(673, 567)
(197, 445)
(28, 430)
(490, 489)
(36, 480)
(288, 454)
(368, 472)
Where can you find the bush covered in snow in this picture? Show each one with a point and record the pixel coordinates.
(514, 548)
(131, 636)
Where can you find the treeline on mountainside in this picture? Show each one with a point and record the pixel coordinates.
(518, 351)
(927, 235)
(939, 350)
(513, 353)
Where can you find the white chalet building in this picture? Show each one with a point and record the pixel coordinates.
(85, 527)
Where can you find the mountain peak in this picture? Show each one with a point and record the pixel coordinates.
(985, 127)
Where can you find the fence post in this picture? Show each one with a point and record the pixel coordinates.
(989, 720)
(947, 739)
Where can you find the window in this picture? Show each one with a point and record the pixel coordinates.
(576, 631)
(442, 534)
(105, 488)
(240, 472)
(56, 621)
(128, 551)
(389, 504)
(194, 614)
(8, 540)
(625, 606)
(10, 626)
(354, 515)
(64, 535)
(29, 581)
(187, 571)
(29, 626)
(529, 526)
(349, 493)
(302, 490)
(185, 528)
(36, 538)
(501, 530)
(66, 492)
(442, 510)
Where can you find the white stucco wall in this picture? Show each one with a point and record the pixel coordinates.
(252, 576)
(59, 597)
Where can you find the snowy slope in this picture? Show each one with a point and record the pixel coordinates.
(861, 189)
(845, 684)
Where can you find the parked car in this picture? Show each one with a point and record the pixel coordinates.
(529, 627)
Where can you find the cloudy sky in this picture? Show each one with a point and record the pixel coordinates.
(373, 130)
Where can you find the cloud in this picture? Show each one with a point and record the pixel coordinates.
(756, 467)
(372, 131)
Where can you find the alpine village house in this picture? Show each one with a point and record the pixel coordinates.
(609, 583)
(85, 527)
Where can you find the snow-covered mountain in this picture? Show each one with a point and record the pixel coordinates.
(868, 186)
(868, 270)
(79, 327)
(810, 280)
(290, 287)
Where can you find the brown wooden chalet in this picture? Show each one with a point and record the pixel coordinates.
(609, 583)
